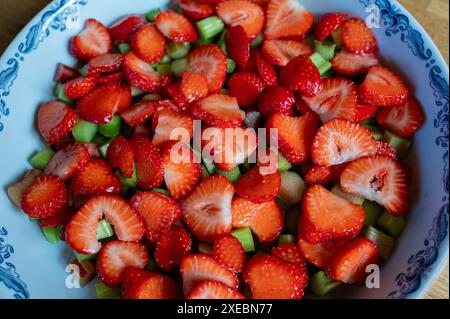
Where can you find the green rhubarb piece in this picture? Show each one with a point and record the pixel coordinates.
(224, 91)
(104, 230)
(393, 225)
(40, 160)
(210, 167)
(291, 220)
(326, 49)
(52, 234)
(257, 41)
(283, 164)
(244, 167)
(104, 292)
(384, 242)
(245, 236)
(177, 50)
(136, 92)
(161, 191)
(179, 66)
(84, 131)
(124, 48)
(201, 42)
(151, 97)
(321, 284)
(104, 149)
(337, 190)
(284, 239)
(210, 27)
(322, 65)
(84, 70)
(231, 66)
(206, 249)
(99, 139)
(151, 264)
(166, 59)
(400, 144)
(83, 257)
(129, 182)
(222, 43)
(111, 129)
(60, 95)
(375, 130)
(336, 36)
(152, 14)
(292, 188)
(233, 175)
(373, 211)
(164, 69)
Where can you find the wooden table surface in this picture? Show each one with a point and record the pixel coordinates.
(432, 14)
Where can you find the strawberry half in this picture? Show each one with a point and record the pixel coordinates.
(100, 105)
(327, 24)
(218, 110)
(193, 86)
(65, 73)
(270, 277)
(319, 254)
(68, 161)
(349, 263)
(365, 112)
(175, 93)
(353, 64)
(105, 63)
(276, 99)
(290, 252)
(266, 70)
(167, 122)
(212, 63)
(199, 267)
(244, 13)
(120, 155)
(148, 43)
(268, 185)
(295, 136)
(383, 88)
(182, 169)
(281, 52)
(117, 255)
(112, 78)
(125, 97)
(171, 248)
(238, 45)
(196, 10)
(139, 113)
(207, 210)
(228, 251)
(93, 41)
(125, 26)
(287, 18)
(403, 120)
(357, 37)
(55, 121)
(151, 285)
(384, 149)
(81, 231)
(301, 75)
(380, 179)
(338, 99)
(95, 178)
(175, 27)
(340, 141)
(141, 74)
(210, 289)
(321, 175)
(265, 220)
(246, 87)
(148, 161)
(77, 88)
(45, 198)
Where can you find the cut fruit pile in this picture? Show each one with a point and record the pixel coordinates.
(153, 227)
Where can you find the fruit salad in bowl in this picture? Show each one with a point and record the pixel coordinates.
(231, 149)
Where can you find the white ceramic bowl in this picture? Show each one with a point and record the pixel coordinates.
(32, 268)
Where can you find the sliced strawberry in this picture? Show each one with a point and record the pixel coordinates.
(121, 29)
(125, 97)
(402, 120)
(365, 112)
(244, 13)
(171, 248)
(300, 74)
(100, 105)
(304, 109)
(268, 185)
(196, 10)
(151, 285)
(228, 251)
(148, 43)
(250, 66)
(340, 141)
(321, 175)
(384, 149)
(148, 161)
(65, 73)
(357, 37)
(130, 276)
(338, 99)
(276, 99)
(198, 267)
(281, 52)
(295, 136)
(96, 178)
(287, 18)
(77, 88)
(238, 44)
(266, 70)
(141, 74)
(117, 255)
(290, 252)
(265, 220)
(182, 169)
(212, 63)
(174, 91)
(138, 113)
(270, 277)
(349, 263)
(193, 86)
(353, 64)
(61, 218)
(326, 216)
(175, 27)
(55, 121)
(68, 161)
(383, 88)
(246, 87)
(380, 179)
(207, 210)
(319, 254)
(120, 155)
(93, 41)
(81, 232)
(105, 63)
(86, 270)
(327, 24)
(210, 289)
(218, 110)
(157, 211)
(112, 78)
(167, 122)
(45, 198)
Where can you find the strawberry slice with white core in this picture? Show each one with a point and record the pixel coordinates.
(100, 105)
(105, 63)
(357, 37)
(170, 125)
(319, 254)
(176, 27)
(141, 74)
(281, 52)
(81, 232)
(68, 161)
(210, 289)
(55, 121)
(196, 10)
(148, 43)
(380, 179)
(353, 64)
(93, 41)
(193, 86)
(207, 210)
